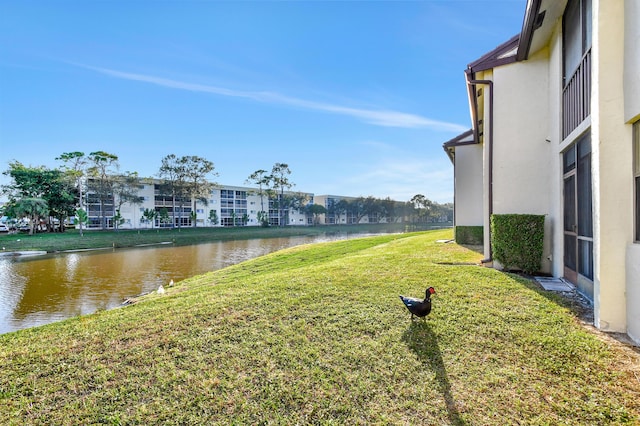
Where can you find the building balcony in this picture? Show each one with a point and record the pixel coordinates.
(576, 96)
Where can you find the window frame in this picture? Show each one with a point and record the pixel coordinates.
(582, 28)
(636, 178)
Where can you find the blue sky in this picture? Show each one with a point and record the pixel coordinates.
(356, 96)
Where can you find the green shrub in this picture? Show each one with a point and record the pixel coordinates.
(469, 235)
(517, 240)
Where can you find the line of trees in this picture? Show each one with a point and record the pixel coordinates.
(418, 210)
(187, 179)
(47, 197)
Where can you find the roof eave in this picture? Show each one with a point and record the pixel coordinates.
(461, 140)
(495, 57)
(529, 25)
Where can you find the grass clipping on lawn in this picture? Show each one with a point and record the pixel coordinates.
(317, 334)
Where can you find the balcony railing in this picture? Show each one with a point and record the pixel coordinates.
(576, 96)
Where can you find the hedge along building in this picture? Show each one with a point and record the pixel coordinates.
(556, 131)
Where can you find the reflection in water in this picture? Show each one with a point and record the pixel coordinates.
(50, 288)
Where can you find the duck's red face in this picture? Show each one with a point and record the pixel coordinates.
(432, 290)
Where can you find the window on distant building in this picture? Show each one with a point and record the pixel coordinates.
(636, 175)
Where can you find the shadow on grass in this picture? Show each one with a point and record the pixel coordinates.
(577, 304)
(421, 339)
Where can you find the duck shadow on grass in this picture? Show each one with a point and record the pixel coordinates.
(421, 339)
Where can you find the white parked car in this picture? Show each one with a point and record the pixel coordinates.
(4, 228)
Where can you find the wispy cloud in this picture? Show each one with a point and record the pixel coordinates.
(381, 117)
(397, 177)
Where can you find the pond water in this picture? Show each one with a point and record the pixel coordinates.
(37, 290)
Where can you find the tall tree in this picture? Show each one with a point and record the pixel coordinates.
(388, 209)
(25, 181)
(423, 206)
(260, 178)
(372, 208)
(280, 181)
(173, 173)
(339, 208)
(102, 173)
(197, 171)
(358, 209)
(75, 165)
(60, 194)
(295, 201)
(315, 210)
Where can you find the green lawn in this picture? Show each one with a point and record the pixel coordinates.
(317, 335)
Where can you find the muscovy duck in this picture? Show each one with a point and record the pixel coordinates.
(418, 307)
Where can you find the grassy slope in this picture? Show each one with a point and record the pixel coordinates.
(317, 334)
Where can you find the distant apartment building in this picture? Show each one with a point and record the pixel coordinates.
(227, 205)
(337, 214)
(224, 206)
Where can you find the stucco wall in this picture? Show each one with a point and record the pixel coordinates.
(555, 158)
(612, 165)
(132, 213)
(522, 146)
(468, 181)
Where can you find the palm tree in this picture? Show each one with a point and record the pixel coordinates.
(150, 215)
(33, 208)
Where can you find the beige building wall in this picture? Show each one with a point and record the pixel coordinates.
(522, 148)
(555, 160)
(132, 213)
(611, 165)
(468, 183)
